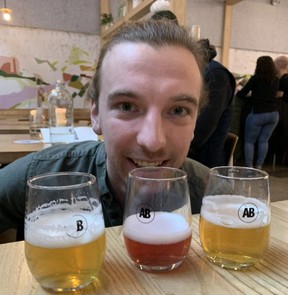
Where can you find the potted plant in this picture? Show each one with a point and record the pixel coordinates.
(106, 20)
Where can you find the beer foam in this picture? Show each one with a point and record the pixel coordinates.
(223, 210)
(166, 228)
(52, 230)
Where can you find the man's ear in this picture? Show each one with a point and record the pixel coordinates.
(95, 120)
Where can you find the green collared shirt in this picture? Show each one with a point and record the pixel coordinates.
(88, 156)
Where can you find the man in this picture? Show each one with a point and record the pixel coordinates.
(214, 120)
(278, 143)
(146, 94)
(281, 64)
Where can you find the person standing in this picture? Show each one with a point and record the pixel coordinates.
(281, 64)
(214, 121)
(264, 116)
(280, 135)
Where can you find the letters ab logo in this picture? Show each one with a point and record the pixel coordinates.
(77, 226)
(145, 214)
(248, 212)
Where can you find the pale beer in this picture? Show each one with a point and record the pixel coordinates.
(158, 245)
(61, 258)
(234, 230)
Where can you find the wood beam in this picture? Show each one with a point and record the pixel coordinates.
(227, 30)
(179, 8)
(233, 2)
(226, 34)
(104, 6)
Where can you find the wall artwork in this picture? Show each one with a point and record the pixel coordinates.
(31, 60)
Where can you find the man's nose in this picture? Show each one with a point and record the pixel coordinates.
(151, 134)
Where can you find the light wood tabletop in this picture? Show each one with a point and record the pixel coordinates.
(14, 146)
(196, 275)
(14, 126)
(21, 126)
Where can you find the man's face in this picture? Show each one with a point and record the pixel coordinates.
(147, 108)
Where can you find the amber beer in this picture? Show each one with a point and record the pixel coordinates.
(58, 258)
(234, 230)
(159, 245)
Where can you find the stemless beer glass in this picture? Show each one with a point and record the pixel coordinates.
(235, 216)
(157, 219)
(64, 230)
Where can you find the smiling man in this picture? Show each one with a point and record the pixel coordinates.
(146, 95)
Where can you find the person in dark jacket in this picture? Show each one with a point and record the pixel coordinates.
(214, 120)
(264, 116)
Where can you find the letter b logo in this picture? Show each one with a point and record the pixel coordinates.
(79, 224)
(76, 227)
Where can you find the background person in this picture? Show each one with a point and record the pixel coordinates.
(146, 92)
(161, 9)
(278, 143)
(263, 118)
(214, 119)
(281, 64)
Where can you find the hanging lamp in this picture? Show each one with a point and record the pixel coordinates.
(6, 12)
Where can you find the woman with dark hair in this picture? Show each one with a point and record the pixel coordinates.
(264, 116)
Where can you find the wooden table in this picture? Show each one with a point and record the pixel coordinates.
(196, 275)
(21, 126)
(10, 151)
(14, 126)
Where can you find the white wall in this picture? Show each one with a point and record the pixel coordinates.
(80, 16)
(28, 54)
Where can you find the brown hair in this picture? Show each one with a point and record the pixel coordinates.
(265, 68)
(165, 14)
(156, 33)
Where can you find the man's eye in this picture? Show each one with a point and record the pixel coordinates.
(179, 111)
(127, 107)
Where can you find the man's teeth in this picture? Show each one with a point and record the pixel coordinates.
(147, 164)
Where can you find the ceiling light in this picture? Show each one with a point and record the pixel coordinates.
(275, 2)
(6, 12)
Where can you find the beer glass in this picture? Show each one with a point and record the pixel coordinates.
(64, 230)
(235, 216)
(37, 121)
(157, 219)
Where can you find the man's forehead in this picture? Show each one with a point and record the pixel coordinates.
(131, 47)
(120, 72)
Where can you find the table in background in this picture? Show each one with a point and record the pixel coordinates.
(21, 126)
(14, 126)
(196, 275)
(11, 151)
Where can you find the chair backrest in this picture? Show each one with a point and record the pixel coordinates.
(229, 148)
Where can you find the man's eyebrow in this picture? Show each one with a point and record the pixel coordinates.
(177, 98)
(186, 98)
(121, 93)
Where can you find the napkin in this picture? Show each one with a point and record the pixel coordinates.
(82, 133)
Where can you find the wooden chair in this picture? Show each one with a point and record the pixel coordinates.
(229, 148)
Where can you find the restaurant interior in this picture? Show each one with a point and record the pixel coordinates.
(44, 41)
